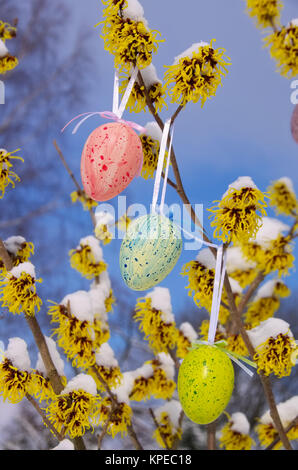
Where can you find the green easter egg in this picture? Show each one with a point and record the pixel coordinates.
(149, 251)
(205, 383)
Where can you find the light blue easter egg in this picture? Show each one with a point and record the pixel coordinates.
(149, 251)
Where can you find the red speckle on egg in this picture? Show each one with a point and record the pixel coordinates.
(104, 167)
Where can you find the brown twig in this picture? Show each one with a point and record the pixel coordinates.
(43, 416)
(293, 424)
(67, 167)
(105, 428)
(157, 427)
(211, 441)
(115, 403)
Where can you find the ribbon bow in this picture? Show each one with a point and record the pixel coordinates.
(118, 110)
(105, 115)
(222, 346)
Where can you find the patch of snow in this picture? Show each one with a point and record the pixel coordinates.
(81, 382)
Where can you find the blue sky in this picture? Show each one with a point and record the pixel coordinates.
(244, 130)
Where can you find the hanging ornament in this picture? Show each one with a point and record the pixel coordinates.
(206, 375)
(149, 251)
(205, 383)
(112, 155)
(111, 158)
(153, 243)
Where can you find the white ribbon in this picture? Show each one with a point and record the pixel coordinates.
(164, 188)
(220, 266)
(119, 110)
(220, 269)
(161, 156)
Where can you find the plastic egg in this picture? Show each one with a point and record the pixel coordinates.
(111, 158)
(149, 251)
(205, 383)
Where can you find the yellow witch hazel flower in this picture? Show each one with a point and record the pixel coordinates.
(18, 249)
(107, 366)
(15, 371)
(40, 386)
(151, 145)
(103, 222)
(163, 376)
(18, 290)
(118, 417)
(271, 248)
(235, 343)
(235, 434)
(282, 196)
(126, 34)
(204, 329)
(7, 176)
(123, 223)
(80, 329)
(265, 429)
(275, 346)
(266, 302)
(169, 426)
(154, 312)
(153, 379)
(7, 31)
(87, 258)
(238, 215)
(74, 409)
(196, 73)
(201, 273)
(265, 11)
(186, 335)
(137, 99)
(7, 61)
(86, 201)
(283, 48)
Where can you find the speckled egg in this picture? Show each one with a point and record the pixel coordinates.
(149, 251)
(205, 383)
(111, 158)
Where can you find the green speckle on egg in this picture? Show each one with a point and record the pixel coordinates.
(205, 383)
(149, 251)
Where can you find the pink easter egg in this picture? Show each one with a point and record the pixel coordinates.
(111, 158)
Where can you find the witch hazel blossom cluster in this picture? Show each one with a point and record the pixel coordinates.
(283, 39)
(7, 61)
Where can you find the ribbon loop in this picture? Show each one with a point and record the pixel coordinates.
(161, 156)
(118, 110)
(237, 358)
